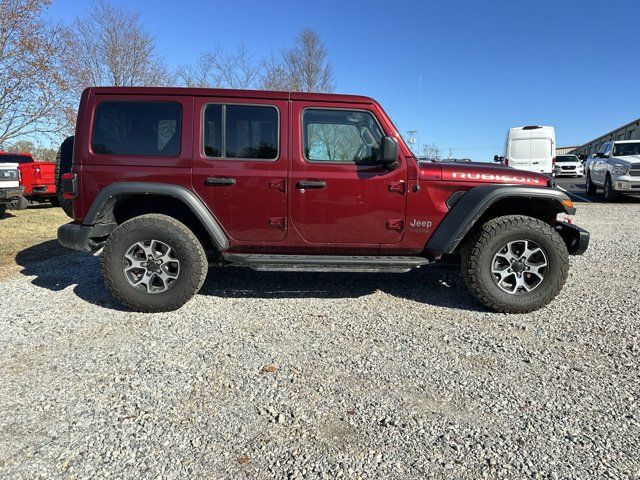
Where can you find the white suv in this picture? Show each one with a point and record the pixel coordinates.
(568, 165)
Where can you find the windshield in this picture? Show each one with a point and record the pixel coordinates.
(566, 158)
(12, 158)
(623, 149)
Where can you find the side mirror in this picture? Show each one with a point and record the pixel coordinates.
(498, 158)
(389, 152)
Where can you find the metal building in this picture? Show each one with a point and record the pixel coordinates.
(630, 131)
(566, 150)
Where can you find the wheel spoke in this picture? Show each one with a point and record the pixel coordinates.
(519, 267)
(150, 266)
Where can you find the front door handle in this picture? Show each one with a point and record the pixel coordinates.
(219, 181)
(311, 184)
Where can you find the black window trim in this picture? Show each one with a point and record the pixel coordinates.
(224, 132)
(330, 162)
(117, 100)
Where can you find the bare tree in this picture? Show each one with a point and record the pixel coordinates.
(218, 69)
(110, 46)
(306, 64)
(32, 98)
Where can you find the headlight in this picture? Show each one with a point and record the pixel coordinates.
(620, 170)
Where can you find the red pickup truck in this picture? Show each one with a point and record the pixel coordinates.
(37, 178)
(171, 180)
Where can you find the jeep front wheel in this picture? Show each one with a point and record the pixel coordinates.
(153, 263)
(515, 264)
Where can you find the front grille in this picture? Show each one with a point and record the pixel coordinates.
(635, 170)
(568, 168)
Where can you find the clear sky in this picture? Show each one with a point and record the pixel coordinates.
(485, 65)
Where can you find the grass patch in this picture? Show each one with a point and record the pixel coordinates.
(22, 229)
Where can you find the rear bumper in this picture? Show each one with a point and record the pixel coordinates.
(576, 238)
(40, 190)
(85, 238)
(10, 194)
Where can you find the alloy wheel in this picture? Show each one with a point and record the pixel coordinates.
(151, 266)
(519, 267)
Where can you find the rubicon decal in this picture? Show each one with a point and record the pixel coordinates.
(494, 178)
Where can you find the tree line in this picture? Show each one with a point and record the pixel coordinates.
(44, 67)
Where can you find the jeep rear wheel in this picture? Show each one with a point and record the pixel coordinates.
(515, 264)
(153, 263)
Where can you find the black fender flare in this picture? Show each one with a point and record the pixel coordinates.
(105, 200)
(470, 207)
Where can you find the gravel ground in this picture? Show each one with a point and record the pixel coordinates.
(267, 375)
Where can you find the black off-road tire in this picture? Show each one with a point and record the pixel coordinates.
(64, 162)
(610, 195)
(590, 187)
(478, 253)
(186, 247)
(3, 209)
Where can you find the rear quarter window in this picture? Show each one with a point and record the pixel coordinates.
(137, 128)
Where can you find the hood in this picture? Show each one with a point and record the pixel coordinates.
(628, 158)
(476, 172)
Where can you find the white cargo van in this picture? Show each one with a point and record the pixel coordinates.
(531, 148)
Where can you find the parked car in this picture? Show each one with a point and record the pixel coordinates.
(568, 165)
(169, 180)
(531, 148)
(615, 168)
(10, 189)
(37, 178)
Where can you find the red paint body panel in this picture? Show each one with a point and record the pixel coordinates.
(360, 210)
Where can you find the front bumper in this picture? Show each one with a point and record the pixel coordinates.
(576, 238)
(85, 238)
(569, 173)
(626, 183)
(10, 194)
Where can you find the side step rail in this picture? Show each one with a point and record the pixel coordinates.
(324, 263)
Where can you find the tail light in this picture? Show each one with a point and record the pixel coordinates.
(36, 172)
(69, 185)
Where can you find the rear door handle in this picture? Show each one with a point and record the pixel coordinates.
(311, 184)
(219, 181)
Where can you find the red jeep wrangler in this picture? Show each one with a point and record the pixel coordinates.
(170, 180)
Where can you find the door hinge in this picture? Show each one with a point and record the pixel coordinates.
(279, 185)
(395, 224)
(400, 187)
(278, 222)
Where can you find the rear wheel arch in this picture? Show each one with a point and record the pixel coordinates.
(120, 202)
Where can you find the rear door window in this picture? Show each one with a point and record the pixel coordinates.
(241, 132)
(137, 128)
(540, 148)
(520, 149)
